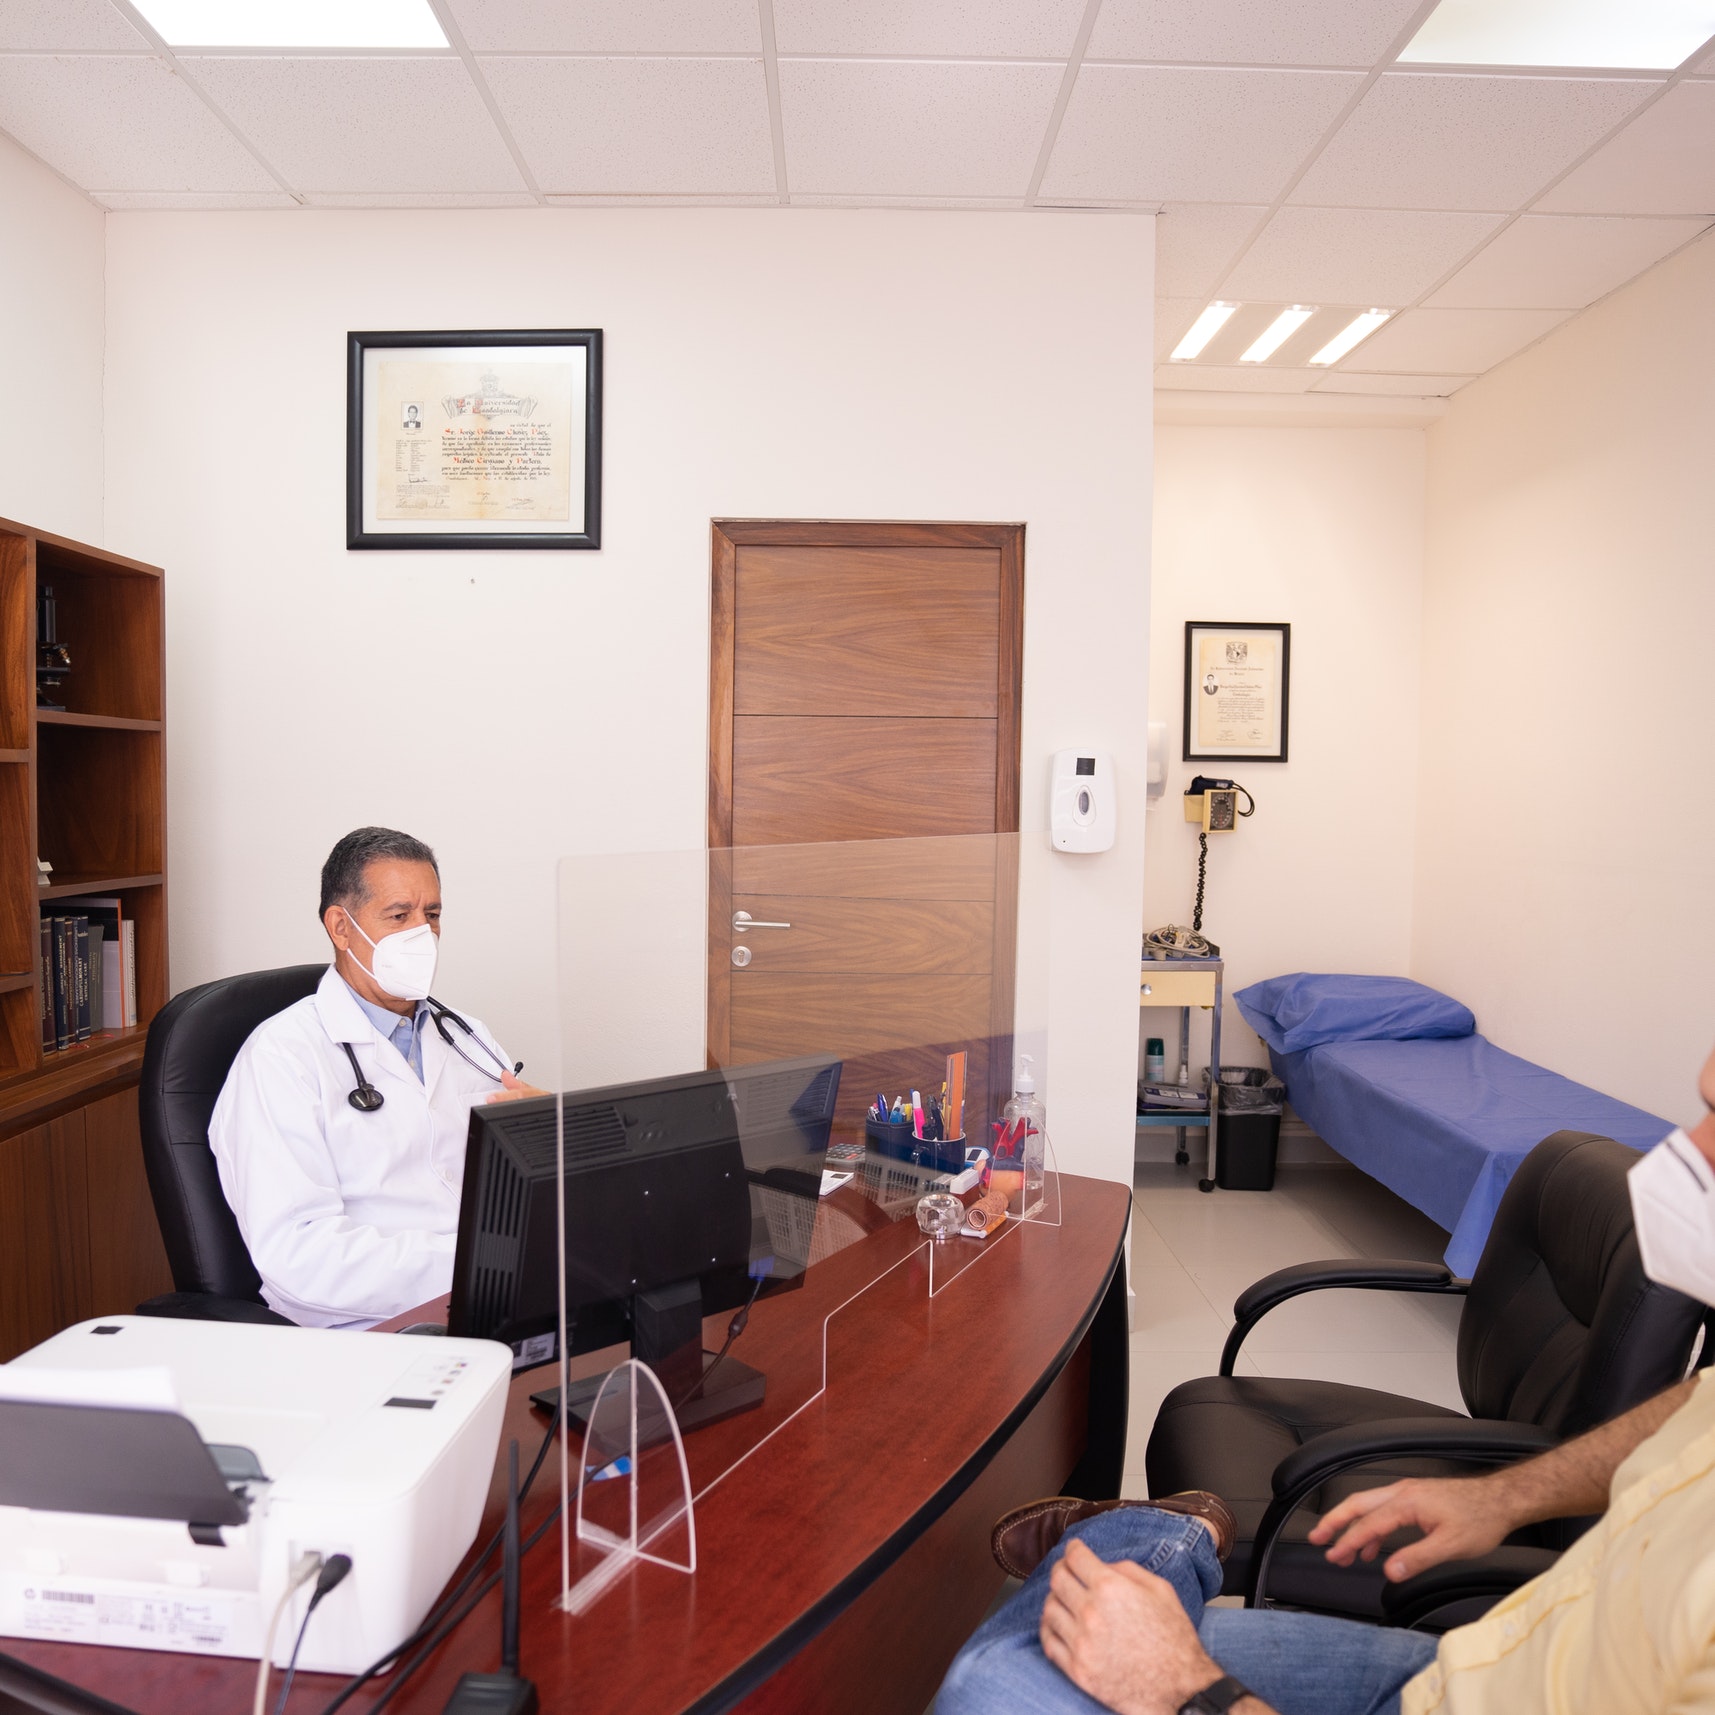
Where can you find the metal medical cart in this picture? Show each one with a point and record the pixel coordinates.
(1186, 983)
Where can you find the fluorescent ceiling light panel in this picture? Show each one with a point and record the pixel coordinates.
(1276, 334)
(294, 23)
(1202, 331)
(1352, 335)
(1642, 35)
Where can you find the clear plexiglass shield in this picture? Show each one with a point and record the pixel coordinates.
(785, 1082)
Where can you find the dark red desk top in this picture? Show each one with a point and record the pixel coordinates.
(921, 1393)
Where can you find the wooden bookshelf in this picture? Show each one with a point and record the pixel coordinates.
(84, 788)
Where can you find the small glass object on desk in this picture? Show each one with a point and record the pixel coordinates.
(940, 1214)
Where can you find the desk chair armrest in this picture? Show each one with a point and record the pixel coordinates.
(1367, 1274)
(208, 1307)
(1493, 1576)
(1479, 1441)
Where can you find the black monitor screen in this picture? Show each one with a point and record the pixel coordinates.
(710, 1177)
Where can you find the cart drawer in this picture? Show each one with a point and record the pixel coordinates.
(1163, 985)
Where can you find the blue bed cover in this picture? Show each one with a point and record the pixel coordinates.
(1445, 1123)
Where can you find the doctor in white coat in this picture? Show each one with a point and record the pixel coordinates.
(340, 1131)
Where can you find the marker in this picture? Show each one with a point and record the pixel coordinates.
(917, 1113)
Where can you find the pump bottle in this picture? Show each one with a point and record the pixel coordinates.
(1024, 1106)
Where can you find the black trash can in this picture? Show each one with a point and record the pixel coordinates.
(1247, 1141)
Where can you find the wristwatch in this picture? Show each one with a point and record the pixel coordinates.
(1215, 1699)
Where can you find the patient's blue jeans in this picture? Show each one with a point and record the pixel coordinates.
(1301, 1664)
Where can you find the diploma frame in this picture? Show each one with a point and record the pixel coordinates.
(1276, 688)
(363, 439)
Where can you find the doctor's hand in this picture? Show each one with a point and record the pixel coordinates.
(1460, 1517)
(513, 1088)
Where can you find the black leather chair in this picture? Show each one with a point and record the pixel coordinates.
(1560, 1330)
(192, 1043)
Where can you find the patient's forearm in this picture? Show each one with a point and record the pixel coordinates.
(1573, 1479)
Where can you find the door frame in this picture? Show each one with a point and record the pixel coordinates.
(728, 535)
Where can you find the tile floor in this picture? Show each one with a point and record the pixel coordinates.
(1193, 1253)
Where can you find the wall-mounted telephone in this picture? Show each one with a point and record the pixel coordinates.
(1214, 806)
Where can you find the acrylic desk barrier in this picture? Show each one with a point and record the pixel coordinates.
(734, 1176)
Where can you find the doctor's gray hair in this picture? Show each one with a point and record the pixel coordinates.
(343, 875)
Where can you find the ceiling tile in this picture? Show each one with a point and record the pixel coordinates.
(1250, 32)
(370, 124)
(1399, 386)
(1253, 378)
(914, 127)
(122, 124)
(633, 127)
(1662, 163)
(1354, 256)
(420, 199)
(680, 199)
(1173, 319)
(1561, 261)
(193, 200)
(1437, 140)
(1044, 29)
(1195, 242)
(1188, 134)
(609, 26)
(1451, 342)
(68, 26)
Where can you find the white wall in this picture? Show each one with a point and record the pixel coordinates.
(1321, 528)
(512, 707)
(50, 350)
(1566, 856)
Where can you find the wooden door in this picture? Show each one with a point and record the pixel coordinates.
(865, 688)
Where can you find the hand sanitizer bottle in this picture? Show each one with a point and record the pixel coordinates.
(1024, 1106)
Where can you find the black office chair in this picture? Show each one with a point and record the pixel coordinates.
(1560, 1330)
(192, 1043)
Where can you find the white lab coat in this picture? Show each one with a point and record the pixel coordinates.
(350, 1217)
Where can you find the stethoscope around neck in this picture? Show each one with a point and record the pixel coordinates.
(367, 1099)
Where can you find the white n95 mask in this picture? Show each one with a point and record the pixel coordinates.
(403, 964)
(1673, 1208)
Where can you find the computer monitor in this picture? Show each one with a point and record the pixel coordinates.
(684, 1197)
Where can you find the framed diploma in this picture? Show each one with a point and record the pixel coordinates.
(473, 440)
(1236, 691)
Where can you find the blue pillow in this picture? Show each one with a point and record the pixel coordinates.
(1308, 1008)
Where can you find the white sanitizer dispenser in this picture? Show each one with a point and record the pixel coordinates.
(1081, 811)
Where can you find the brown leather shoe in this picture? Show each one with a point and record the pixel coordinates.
(1026, 1536)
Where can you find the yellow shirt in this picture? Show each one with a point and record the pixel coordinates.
(1624, 1622)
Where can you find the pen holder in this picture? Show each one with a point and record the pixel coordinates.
(897, 1141)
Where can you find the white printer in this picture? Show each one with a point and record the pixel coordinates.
(378, 1446)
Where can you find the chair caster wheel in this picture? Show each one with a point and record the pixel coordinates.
(1182, 1159)
(1205, 1185)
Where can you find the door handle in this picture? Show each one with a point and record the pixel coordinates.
(742, 920)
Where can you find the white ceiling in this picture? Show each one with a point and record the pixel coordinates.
(1291, 160)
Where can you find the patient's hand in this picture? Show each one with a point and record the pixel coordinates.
(1121, 1636)
(1460, 1517)
(513, 1088)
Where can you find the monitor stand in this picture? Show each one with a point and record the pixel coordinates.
(667, 1335)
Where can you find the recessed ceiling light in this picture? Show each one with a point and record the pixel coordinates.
(1354, 333)
(1204, 329)
(294, 23)
(1642, 35)
(1276, 334)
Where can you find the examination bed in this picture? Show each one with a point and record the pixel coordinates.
(1442, 1118)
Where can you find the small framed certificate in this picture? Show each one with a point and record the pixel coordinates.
(1237, 684)
(474, 440)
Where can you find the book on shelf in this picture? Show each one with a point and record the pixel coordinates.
(88, 953)
(45, 988)
(113, 974)
(79, 1005)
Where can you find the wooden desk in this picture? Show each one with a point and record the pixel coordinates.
(840, 1568)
